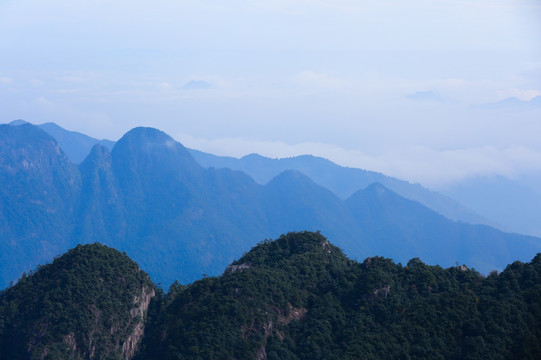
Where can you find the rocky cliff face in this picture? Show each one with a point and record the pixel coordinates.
(141, 304)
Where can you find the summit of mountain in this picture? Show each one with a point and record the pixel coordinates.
(300, 297)
(89, 303)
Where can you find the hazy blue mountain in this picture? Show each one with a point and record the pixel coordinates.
(386, 216)
(505, 201)
(514, 103)
(101, 215)
(532, 181)
(151, 198)
(75, 144)
(39, 194)
(343, 181)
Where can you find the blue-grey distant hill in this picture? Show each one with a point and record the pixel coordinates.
(515, 206)
(491, 200)
(343, 181)
(514, 103)
(150, 198)
(75, 144)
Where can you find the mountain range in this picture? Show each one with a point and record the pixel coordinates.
(509, 205)
(180, 221)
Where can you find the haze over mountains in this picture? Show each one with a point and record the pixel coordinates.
(510, 205)
(151, 198)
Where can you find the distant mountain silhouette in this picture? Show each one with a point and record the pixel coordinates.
(343, 181)
(515, 206)
(514, 103)
(150, 198)
(518, 212)
(75, 144)
(39, 194)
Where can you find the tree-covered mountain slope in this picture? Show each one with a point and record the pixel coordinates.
(89, 303)
(39, 193)
(299, 297)
(296, 297)
(150, 198)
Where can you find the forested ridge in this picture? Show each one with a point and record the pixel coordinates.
(87, 304)
(300, 297)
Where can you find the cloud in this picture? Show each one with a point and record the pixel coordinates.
(436, 169)
(44, 102)
(524, 95)
(429, 167)
(428, 96)
(5, 80)
(514, 103)
(319, 80)
(196, 85)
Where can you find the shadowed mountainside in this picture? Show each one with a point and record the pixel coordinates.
(150, 198)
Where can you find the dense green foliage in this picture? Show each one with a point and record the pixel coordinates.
(299, 297)
(78, 307)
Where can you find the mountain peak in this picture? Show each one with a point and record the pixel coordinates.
(98, 153)
(292, 175)
(101, 318)
(18, 122)
(154, 145)
(377, 188)
(146, 133)
(289, 246)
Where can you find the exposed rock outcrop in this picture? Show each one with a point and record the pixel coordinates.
(137, 313)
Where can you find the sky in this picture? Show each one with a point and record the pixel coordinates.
(414, 89)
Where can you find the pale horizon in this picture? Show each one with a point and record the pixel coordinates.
(410, 90)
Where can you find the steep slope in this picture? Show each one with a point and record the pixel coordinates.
(179, 216)
(515, 206)
(299, 297)
(343, 181)
(75, 145)
(88, 304)
(295, 203)
(38, 194)
(406, 229)
(101, 213)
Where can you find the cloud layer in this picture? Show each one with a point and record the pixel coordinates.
(339, 79)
